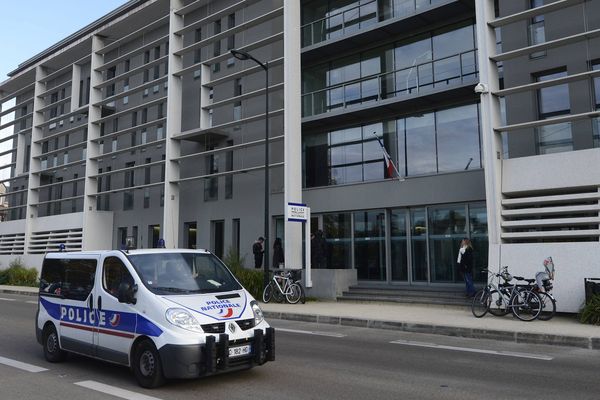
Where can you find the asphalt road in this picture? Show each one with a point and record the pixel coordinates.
(315, 362)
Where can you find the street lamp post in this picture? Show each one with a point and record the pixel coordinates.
(242, 55)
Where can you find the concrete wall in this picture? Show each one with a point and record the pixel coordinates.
(551, 171)
(573, 263)
(330, 283)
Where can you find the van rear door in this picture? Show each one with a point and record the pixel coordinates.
(77, 319)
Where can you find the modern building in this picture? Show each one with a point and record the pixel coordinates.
(143, 126)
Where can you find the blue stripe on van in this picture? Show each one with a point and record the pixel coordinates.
(114, 320)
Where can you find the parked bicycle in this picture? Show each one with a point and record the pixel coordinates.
(548, 301)
(284, 286)
(500, 298)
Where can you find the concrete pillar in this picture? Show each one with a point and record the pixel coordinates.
(490, 118)
(170, 225)
(92, 241)
(75, 88)
(36, 150)
(292, 129)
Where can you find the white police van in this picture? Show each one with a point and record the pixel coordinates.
(165, 313)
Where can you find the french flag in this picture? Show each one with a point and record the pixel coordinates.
(390, 168)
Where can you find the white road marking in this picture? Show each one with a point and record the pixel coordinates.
(2, 298)
(471, 350)
(330, 334)
(31, 302)
(114, 391)
(21, 365)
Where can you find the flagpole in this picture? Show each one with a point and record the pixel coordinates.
(400, 177)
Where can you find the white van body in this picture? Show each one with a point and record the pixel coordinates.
(166, 313)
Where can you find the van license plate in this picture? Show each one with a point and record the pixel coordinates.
(240, 351)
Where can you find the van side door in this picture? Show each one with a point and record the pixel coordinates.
(116, 321)
(77, 319)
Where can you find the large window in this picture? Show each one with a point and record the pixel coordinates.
(537, 29)
(70, 278)
(447, 225)
(553, 101)
(369, 245)
(429, 143)
(434, 59)
(338, 234)
(398, 246)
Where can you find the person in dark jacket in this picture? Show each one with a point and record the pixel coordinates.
(465, 261)
(258, 250)
(277, 253)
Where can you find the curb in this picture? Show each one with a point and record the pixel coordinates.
(591, 343)
(21, 292)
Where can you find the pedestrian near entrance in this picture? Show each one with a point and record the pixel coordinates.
(258, 250)
(465, 261)
(277, 254)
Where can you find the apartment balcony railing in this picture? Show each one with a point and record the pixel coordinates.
(432, 74)
(351, 20)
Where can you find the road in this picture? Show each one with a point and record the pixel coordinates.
(314, 362)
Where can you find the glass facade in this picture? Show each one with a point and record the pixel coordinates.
(435, 142)
(329, 19)
(553, 101)
(432, 60)
(405, 245)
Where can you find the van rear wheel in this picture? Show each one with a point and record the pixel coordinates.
(52, 351)
(147, 366)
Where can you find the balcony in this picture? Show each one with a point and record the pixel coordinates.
(374, 21)
(394, 86)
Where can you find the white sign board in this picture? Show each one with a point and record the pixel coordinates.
(297, 212)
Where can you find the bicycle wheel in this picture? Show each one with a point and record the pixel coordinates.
(526, 305)
(497, 304)
(548, 307)
(293, 293)
(481, 303)
(302, 295)
(268, 293)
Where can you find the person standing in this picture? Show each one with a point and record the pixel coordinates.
(277, 253)
(465, 261)
(258, 250)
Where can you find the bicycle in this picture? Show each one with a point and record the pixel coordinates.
(501, 298)
(548, 301)
(283, 286)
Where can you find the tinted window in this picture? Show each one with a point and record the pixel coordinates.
(113, 274)
(167, 273)
(70, 278)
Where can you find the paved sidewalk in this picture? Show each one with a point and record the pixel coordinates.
(450, 321)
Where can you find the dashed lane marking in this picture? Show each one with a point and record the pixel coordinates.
(471, 350)
(5, 299)
(31, 302)
(114, 391)
(329, 334)
(21, 365)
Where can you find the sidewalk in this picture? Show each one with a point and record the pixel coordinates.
(449, 321)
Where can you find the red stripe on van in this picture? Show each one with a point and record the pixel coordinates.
(93, 329)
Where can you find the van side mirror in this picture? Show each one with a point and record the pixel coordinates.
(127, 293)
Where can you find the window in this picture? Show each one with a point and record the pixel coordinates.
(113, 275)
(146, 198)
(369, 245)
(596, 121)
(420, 144)
(211, 185)
(553, 101)
(71, 278)
(229, 167)
(337, 229)
(129, 182)
(147, 172)
(457, 132)
(537, 29)
(237, 110)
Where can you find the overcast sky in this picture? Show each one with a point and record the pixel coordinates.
(28, 27)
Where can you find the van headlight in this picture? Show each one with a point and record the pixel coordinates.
(183, 319)
(258, 314)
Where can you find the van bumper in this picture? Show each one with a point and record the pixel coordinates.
(211, 358)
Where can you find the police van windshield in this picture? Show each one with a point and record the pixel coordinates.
(183, 273)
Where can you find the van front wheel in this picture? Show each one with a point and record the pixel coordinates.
(147, 366)
(52, 350)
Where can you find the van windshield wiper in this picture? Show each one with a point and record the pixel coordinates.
(171, 289)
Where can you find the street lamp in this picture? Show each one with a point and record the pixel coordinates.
(242, 55)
